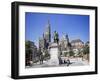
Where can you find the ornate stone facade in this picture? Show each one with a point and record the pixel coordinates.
(77, 44)
(65, 44)
(46, 37)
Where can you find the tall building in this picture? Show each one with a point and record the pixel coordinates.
(65, 44)
(46, 37)
(42, 43)
(47, 33)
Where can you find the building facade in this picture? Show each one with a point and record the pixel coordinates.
(45, 40)
(65, 44)
(77, 44)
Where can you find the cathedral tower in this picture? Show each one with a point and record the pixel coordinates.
(48, 32)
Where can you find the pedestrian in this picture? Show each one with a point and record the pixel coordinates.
(68, 62)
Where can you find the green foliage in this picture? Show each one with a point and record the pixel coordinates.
(80, 52)
(65, 53)
(86, 50)
(71, 53)
(47, 55)
(28, 52)
(28, 47)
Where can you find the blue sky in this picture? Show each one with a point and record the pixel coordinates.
(76, 26)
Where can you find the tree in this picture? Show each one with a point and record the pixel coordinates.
(65, 54)
(28, 52)
(71, 53)
(86, 49)
(80, 51)
(47, 55)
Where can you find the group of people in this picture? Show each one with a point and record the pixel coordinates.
(64, 61)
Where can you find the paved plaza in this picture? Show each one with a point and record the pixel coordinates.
(73, 62)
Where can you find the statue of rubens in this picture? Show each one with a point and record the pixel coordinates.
(56, 37)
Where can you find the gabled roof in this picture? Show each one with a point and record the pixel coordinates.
(77, 40)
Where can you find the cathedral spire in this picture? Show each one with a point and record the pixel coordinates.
(48, 32)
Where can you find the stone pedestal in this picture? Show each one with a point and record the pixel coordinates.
(54, 54)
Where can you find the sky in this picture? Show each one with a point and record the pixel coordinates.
(76, 26)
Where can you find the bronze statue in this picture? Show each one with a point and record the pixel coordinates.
(56, 37)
